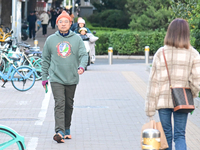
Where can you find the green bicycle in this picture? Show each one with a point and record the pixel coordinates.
(10, 137)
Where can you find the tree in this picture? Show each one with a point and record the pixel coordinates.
(110, 13)
(183, 8)
(110, 18)
(5, 17)
(31, 5)
(109, 4)
(57, 3)
(148, 15)
(189, 10)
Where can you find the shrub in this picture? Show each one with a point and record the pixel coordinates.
(126, 42)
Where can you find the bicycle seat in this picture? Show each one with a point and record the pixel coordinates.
(34, 48)
(14, 58)
(24, 45)
(32, 52)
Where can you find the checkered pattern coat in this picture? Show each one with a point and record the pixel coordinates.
(184, 69)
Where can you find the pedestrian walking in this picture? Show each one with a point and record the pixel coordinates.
(53, 18)
(38, 22)
(64, 59)
(49, 14)
(44, 17)
(32, 21)
(183, 63)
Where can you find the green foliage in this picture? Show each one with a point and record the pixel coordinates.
(110, 18)
(102, 43)
(189, 10)
(110, 13)
(195, 25)
(57, 2)
(102, 29)
(182, 8)
(126, 42)
(109, 4)
(147, 15)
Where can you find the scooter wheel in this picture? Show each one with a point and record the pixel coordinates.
(24, 37)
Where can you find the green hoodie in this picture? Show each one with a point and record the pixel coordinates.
(62, 56)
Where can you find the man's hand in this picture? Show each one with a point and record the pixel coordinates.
(80, 71)
(45, 85)
(46, 88)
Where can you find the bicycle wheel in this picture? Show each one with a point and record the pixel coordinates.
(20, 78)
(36, 62)
(10, 139)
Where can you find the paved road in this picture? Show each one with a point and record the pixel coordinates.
(108, 112)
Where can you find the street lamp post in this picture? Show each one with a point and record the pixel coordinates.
(64, 3)
(73, 5)
(25, 9)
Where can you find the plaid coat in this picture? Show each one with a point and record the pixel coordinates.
(184, 69)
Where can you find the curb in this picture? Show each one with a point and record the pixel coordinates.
(197, 102)
(123, 57)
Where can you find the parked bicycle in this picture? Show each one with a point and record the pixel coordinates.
(30, 57)
(11, 137)
(18, 75)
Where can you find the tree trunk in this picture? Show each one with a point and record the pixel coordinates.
(6, 12)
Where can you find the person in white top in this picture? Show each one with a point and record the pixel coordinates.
(44, 17)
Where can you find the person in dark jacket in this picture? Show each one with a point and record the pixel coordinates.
(32, 20)
(53, 18)
(81, 24)
(75, 25)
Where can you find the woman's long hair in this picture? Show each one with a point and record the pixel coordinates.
(178, 34)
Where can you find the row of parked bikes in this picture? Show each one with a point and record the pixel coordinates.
(19, 62)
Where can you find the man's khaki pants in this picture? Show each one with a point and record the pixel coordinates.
(64, 99)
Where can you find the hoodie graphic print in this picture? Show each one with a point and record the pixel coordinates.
(64, 49)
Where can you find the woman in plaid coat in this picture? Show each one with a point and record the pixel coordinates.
(184, 68)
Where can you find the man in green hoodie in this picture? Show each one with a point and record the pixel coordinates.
(64, 59)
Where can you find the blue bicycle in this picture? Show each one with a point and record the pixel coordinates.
(19, 76)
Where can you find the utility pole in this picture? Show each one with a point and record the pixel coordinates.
(13, 16)
(16, 19)
(25, 9)
(64, 3)
(69, 3)
(73, 5)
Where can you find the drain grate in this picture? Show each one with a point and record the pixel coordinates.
(91, 107)
(18, 119)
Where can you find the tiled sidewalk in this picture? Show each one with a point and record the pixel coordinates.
(108, 112)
